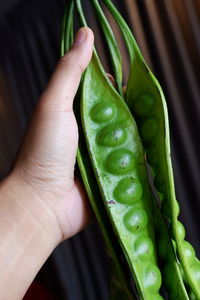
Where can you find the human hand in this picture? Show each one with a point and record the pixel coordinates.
(45, 165)
(41, 203)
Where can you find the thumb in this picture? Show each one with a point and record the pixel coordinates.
(64, 83)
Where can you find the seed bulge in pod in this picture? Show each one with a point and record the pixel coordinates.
(128, 191)
(152, 280)
(144, 247)
(149, 129)
(152, 156)
(120, 162)
(136, 219)
(189, 253)
(143, 104)
(181, 230)
(102, 112)
(196, 271)
(111, 136)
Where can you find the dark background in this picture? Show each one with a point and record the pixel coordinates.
(168, 33)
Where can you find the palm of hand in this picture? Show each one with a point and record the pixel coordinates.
(47, 157)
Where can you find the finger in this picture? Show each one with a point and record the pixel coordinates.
(63, 85)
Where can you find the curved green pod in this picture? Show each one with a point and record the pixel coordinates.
(67, 28)
(120, 282)
(171, 260)
(168, 262)
(119, 166)
(152, 120)
(126, 32)
(112, 45)
(146, 100)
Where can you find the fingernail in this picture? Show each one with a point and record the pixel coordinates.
(80, 37)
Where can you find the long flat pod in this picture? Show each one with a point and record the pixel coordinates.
(126, 32)
(117, 157)
(168, 262)
(177, 288)
(67, 28)
(112, 45)
(146, 100)
(147, 103)
(121, 284)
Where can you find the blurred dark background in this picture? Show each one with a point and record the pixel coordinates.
(168, 33)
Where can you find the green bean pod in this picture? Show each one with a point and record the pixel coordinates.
(168, 262)
(67, 28)
(129, 39)
(121, 285)
(120, 282)
(146, 101)
(117, 69)
(117, 157)
(115, 56)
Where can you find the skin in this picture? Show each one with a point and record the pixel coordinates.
(41, 203)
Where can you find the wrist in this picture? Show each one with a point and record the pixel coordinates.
(28, 235)
(26, 206)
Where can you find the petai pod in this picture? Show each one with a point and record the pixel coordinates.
(146, 100)
(117, 158)
(67, 28)
(120, 281)
(168, 262)
(120, 284)
(147, 103)
(112, 45)
(117, 69)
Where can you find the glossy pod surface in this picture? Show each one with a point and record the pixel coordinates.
(118, 163)
(169, 265)
(115, 56)
(121, 284)
(146, 92)
(117, 157)
(120, 281)
(147, 103)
